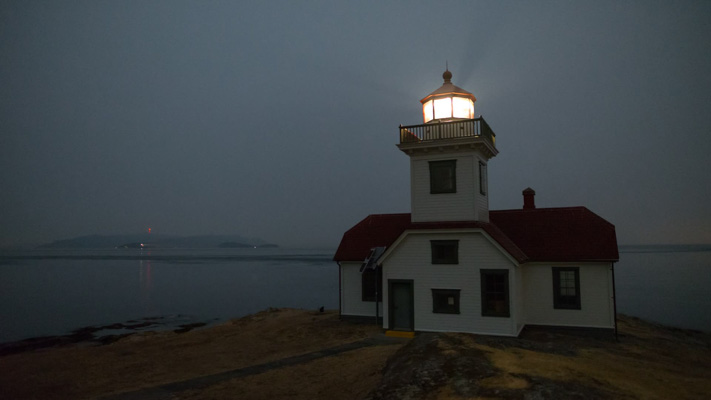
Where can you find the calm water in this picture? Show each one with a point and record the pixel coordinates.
(54, 292)
(666, 284)
(58, 291)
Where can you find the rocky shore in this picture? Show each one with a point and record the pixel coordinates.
(98, 334)
(285, 353)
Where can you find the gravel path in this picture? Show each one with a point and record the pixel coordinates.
(168, 390)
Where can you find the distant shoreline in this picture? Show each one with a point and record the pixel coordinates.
(171, 254)
(103, 334)
(664, 248)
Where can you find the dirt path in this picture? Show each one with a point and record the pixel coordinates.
(301, 354)
(168, 391)
(153, 359)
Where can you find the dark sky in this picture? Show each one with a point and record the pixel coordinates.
(279, 119)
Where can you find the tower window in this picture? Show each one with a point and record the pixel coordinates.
(445, 251)
(566, 288)
(443, 176)
(482, 178)
(445, 301)
(495, 292)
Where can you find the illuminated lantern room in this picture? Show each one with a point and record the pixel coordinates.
(451, 148)
(448, 103)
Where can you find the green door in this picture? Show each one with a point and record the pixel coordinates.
(401, 310)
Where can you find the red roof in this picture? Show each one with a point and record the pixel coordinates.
(374, 231)
(559, 234)
(544, 234)
(491, 229)
(383, 229)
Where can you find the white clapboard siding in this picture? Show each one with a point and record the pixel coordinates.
(481, 201)
(467, 204)
(520, 318)
(352, 292)
(596, 301)
(412, 259)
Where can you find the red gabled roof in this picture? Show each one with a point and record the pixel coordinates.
(374, 231)
(544, 234)
(493, 231)
(559, 234)
(383, 229)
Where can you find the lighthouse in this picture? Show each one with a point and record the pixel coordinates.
(453, 265)
(449, 155)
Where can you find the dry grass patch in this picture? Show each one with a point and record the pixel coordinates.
(649, 362)
(149, 359)
(505, 380)
(350, 375)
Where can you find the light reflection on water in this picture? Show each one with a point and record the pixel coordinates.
(144, 280)
(53, 292)
(48, 293)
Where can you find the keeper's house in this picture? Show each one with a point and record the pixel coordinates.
(451, 265)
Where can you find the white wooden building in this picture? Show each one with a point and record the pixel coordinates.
(452, 265)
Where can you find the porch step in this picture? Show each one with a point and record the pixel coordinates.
(400, 334)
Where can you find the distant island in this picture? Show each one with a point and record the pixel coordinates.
(145, 240)
(235, 245)
(135, 245)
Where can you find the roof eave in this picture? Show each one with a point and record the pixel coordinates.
(515, 259)
(572, 261)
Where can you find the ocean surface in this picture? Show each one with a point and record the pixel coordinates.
(666, 284)
(51, 292)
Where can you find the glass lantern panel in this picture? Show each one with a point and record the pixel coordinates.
(443, 108)
(427, 111)
(462, 107)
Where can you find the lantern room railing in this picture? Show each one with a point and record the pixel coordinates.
(465, 128)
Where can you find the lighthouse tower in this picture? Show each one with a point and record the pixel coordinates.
(449, 155)
(451, 265)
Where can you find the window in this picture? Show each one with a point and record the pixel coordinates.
(566, 288)
(445, 301)
(445, 251)
(370, 286)
(495, 292)
(483, 184)
(443, 176)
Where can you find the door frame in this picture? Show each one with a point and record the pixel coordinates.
(411, 283)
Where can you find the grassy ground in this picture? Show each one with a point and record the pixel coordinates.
(145, 360)
(648, 362)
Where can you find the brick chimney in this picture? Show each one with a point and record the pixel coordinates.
(528, 202)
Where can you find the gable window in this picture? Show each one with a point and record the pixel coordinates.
(495, 292)
(445, 251)
(445, 301)
(483, 184)
(370, 286)
(566, 288)
(443, 176)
